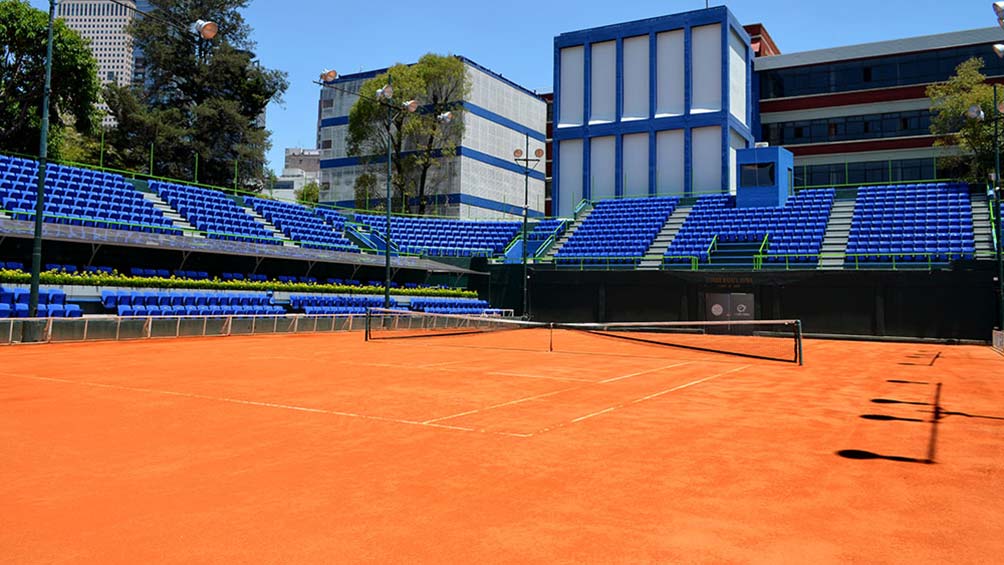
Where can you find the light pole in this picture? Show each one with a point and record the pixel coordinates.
(384, 97)
(205, 29)
(998, 111)
(524, 159)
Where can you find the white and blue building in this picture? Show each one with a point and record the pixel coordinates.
(652, 107)
(481, 181)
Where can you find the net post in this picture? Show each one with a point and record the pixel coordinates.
(366, 331)
(798, 342)
(550, 337)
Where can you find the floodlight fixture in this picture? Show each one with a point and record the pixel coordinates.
(410, 106)
(329, 75)
(206, 30)
(975, 112)
(385, 93)
(999, 9)
(445, 117)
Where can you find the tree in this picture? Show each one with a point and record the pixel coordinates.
(75, 86)
(201, 97)
(421, 143)
(949, 103)
(309, 194)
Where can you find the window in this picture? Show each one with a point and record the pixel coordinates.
(759, 174)
(878, 72)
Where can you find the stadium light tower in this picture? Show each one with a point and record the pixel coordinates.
(524, 159)
(205, 30)
(384, 97)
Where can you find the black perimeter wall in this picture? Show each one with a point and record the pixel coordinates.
(949, 304)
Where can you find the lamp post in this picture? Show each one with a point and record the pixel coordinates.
(998, 111)
(205, 29)
(384, 97)
(524, 159)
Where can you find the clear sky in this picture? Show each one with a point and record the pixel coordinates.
(515, 38)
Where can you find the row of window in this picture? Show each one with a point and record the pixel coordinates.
(878, 72)
(848, 128)
(871, 172)
(92, 9)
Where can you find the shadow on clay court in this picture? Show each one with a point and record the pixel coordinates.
(888, 418)
(932, 441)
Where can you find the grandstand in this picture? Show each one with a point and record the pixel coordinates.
(214, 214)
(78, 197)
(719, 235)
(303, 226)
(443, 237)
(616, 233)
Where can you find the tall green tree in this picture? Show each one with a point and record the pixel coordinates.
(950, 101)
(308, 194)
(421, 142)
(75, 87)
(201, 97)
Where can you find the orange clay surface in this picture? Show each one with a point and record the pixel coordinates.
(489, 449)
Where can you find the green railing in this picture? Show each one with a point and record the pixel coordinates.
(761, 253)
(929, 260)
(994, 225)
(582, 263)
(180, 231)
(695, 261)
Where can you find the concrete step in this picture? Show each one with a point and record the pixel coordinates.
(276, 233)
(171, 214)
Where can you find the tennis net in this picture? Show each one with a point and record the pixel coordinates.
(779, 340)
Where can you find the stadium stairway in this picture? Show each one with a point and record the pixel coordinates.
(572, 226)
(733, 256)
(276, 233)
(367, 238)
(838, 230)
(982, 230)
(170, 214)
(652, 260)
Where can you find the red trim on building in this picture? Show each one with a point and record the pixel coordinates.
(894, 94)
(861, 146)
(843, 99)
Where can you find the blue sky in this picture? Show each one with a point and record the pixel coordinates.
(516, 38)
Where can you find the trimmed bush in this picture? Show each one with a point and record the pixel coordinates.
(119, 280)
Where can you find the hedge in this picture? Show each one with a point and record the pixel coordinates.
(120, 280)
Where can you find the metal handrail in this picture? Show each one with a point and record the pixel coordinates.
(758, 258)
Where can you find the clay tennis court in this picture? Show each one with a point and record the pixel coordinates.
(489, 448)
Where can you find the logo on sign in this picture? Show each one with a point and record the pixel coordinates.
(717, 310)
(741, 308)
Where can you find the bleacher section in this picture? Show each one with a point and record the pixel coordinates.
(467, 306)
(173, 303)
(794, 232)
(78, 197)
(336, 304)
(214, 213)
(930, 223)
(51, 303)
(617, 232)
(303, 226)
(445, 237)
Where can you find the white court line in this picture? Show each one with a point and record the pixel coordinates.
(545, 377)
(688, 385)
(643, 399)
(510, 403)
(430, 424)
(430, 365)
(615, 379)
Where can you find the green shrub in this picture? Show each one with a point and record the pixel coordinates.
(120, 280)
